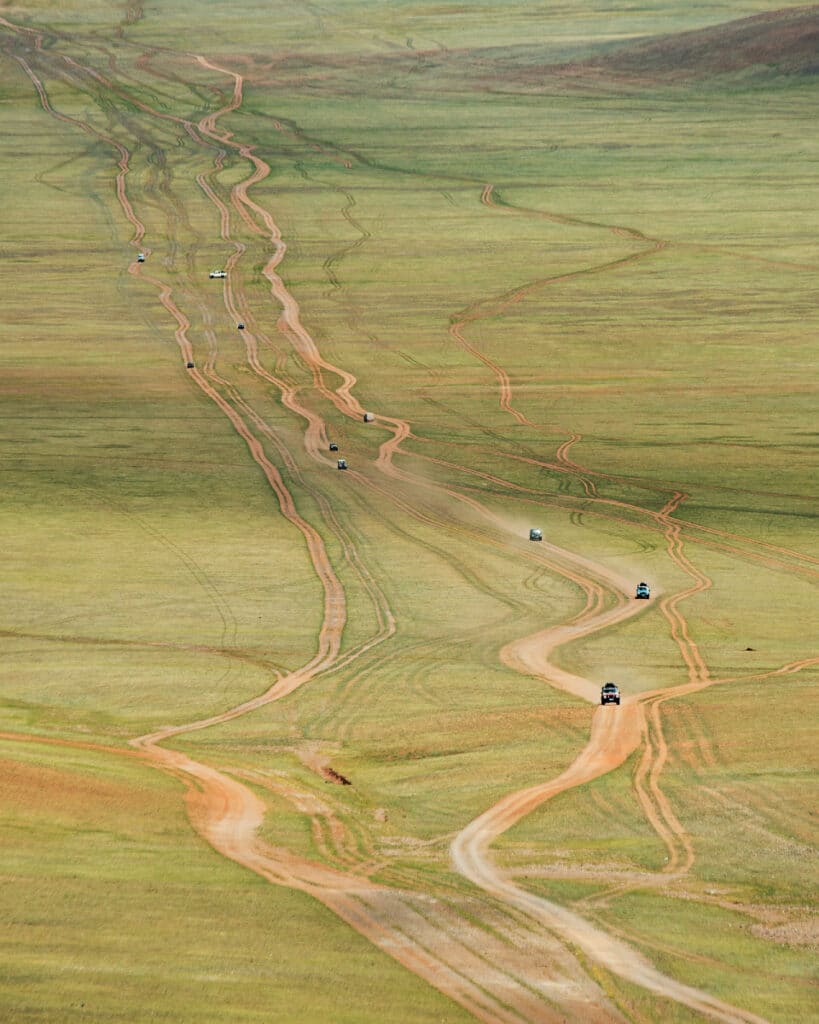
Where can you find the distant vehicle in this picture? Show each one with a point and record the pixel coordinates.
(217, 273)
(189, 366)
(535, 534)
(610, 693)
(368, 417)
(241, 326)
(642, 592)
(141, 258)
(333, 446)
(342, 463)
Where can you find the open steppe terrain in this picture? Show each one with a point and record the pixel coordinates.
(283, 743)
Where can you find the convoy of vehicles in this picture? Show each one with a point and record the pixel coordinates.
(610, 692)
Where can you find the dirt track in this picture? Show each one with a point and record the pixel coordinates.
(495, 979)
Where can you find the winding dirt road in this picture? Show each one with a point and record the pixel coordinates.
(523, 968)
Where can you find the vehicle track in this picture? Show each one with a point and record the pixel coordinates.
(228, 814)
(780, 558)
(672, 505)
(615, 735)
(646, 781)
(494, 306)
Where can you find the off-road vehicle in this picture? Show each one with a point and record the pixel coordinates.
(610, 693)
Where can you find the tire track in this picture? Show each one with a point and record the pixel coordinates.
(562, 456)
(779, 559)
(655, 805)
(614, 737)
(671, 506)
(314, 543)
(698, 674)
(495, 306)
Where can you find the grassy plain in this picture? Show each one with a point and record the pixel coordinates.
(123, 914)
(646, 277)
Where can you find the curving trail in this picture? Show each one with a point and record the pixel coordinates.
(495, 306)
(614, 737)
(562, 457)
(784, 556)
(616, 733)
(456, 331)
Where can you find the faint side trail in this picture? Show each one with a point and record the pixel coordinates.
(456, 329)
(488, 198)
(496, 305)
(671, 506)
(563, 459)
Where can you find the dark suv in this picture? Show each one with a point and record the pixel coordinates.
(610, 694)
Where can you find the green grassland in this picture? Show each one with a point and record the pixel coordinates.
(646, 277)
(123, 914)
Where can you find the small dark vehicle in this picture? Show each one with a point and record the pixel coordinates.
(610, 694)
(643, 593)
(141, 258)
(342, 463)
(241, 326)
(333, 446)
(189, 366)
(535, 534)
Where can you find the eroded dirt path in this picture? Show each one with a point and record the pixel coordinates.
(616, 733)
